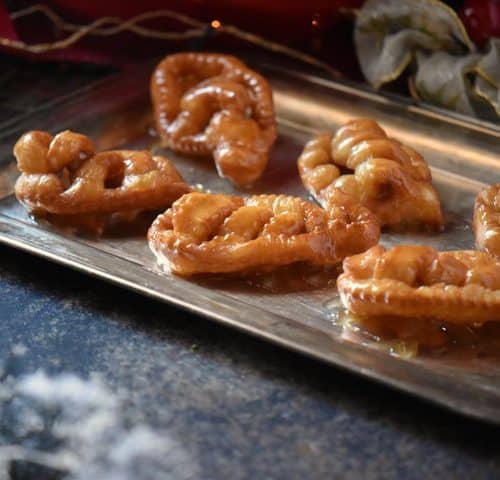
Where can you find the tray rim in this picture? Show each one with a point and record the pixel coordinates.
(422, 390)
(381, 96)
(359, 88)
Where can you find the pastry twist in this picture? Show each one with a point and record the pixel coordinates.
(389, 178)
(62, 175)
(205, 233)
(418, 281)
(210, 104)
(487, 219)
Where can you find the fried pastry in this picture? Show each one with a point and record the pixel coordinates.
(207, 233)
(389, 178)
(487, 219)
(210, 104)
(62, 177)
(418, 281)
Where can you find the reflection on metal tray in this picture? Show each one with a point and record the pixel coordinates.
(298, 316)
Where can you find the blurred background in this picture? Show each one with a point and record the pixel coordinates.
(440, 53)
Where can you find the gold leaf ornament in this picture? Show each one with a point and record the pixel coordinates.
(468, 84)
(442, 79)
(487, 84)
(389, 33)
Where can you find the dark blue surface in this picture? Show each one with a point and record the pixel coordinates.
(240, 408)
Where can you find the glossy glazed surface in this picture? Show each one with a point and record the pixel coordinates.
(214, 233)
(390, 179)
(212, 104)
(418, 281)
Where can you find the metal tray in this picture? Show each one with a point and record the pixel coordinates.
(462, 155)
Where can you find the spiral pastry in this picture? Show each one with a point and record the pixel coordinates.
(487, 219)
(206, 233)
(210, 104)
(418, 281)
(63, 176)
(389, 178)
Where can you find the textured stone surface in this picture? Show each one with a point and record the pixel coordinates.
(237, 407)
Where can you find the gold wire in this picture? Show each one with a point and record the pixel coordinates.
(106, 26)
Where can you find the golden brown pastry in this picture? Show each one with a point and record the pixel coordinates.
(487, 219)
(63, 177)
(389, 178)
(418, 281)
(211, 104)
(206, 233)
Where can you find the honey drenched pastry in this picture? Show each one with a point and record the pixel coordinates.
(418, 281)
(63, 177)
(210, 104)
(389, 178)
(487, 219)
(206, 233)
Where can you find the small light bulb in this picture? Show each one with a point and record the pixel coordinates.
(216, 24)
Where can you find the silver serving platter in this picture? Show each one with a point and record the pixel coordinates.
(305, 317)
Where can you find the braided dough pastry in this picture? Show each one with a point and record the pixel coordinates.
(389, 178)
(487, 219)
(418, 281)
(205, 233)
(62, 176)
(210, 104)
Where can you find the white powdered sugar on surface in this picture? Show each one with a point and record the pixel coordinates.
(76, 429)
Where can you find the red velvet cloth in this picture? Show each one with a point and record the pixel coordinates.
(315, 26)
(481, 19)
(7, 29)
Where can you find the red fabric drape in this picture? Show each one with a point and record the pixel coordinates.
(313, 26)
